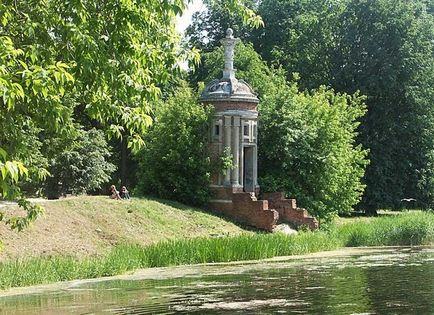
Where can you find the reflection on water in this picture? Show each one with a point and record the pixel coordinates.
(398, 281)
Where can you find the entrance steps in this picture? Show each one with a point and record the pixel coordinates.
(289, 212)
(265, 213)
(248, 209)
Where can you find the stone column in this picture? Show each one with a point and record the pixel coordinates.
(235, 151)
(241, 163)
(255, 166)
(227, 144)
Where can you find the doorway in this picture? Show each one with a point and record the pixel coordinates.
(248, 170)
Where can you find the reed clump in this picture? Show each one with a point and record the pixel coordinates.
(416, 228)
(405, 229)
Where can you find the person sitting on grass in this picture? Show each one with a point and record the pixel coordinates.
(124, 193)
(114, 193)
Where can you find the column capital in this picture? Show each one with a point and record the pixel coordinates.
(237, 121)
(228, 120)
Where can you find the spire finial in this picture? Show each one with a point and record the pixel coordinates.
(229, 33)
(229, 43)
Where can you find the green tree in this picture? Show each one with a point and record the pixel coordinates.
(388, 56)
(104, 59)
(300, 36)
(307, 149)
(79, 164)
(175, 163)
(31, 96)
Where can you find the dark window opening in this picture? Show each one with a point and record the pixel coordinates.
(246, 130)
(217, 130)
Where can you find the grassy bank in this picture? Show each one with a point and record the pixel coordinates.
(406, 229)
(94, 225)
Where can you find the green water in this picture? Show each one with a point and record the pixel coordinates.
(387, 281)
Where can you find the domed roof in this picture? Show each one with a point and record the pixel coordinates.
(228, 88)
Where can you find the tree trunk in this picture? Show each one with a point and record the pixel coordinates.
(371, 211)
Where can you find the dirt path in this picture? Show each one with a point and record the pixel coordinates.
(4, 203)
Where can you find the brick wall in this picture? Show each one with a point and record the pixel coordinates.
(248, 209)
(288, 210)
(262, 214)
(243, 207)
(232, 105)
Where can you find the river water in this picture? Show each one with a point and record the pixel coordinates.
(353, 281)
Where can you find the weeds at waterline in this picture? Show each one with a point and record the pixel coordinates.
(405, 229)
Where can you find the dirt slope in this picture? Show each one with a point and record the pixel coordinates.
(91, 225)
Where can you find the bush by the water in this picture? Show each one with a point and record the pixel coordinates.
(405, 229)
(310, 151)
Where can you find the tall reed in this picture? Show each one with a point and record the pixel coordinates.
(406, 229)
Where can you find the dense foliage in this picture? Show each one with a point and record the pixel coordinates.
(382, 48)
(60, 59)
(78, 164)
(175, 162)
(307, 149)
(389, 57)
(96, 63)
(117, 53)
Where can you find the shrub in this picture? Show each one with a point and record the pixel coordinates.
(175, 163)
(78, 164)
(307, 148)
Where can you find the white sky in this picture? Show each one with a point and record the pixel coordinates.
(185, 19)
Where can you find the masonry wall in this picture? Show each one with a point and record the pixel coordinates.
(243, 207)
(247, 207)
(288, 210)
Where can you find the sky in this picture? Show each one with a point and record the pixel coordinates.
(185, 19)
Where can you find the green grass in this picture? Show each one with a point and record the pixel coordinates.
(190, 251)
(406, 229)
(84, 225)
(415, 228)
